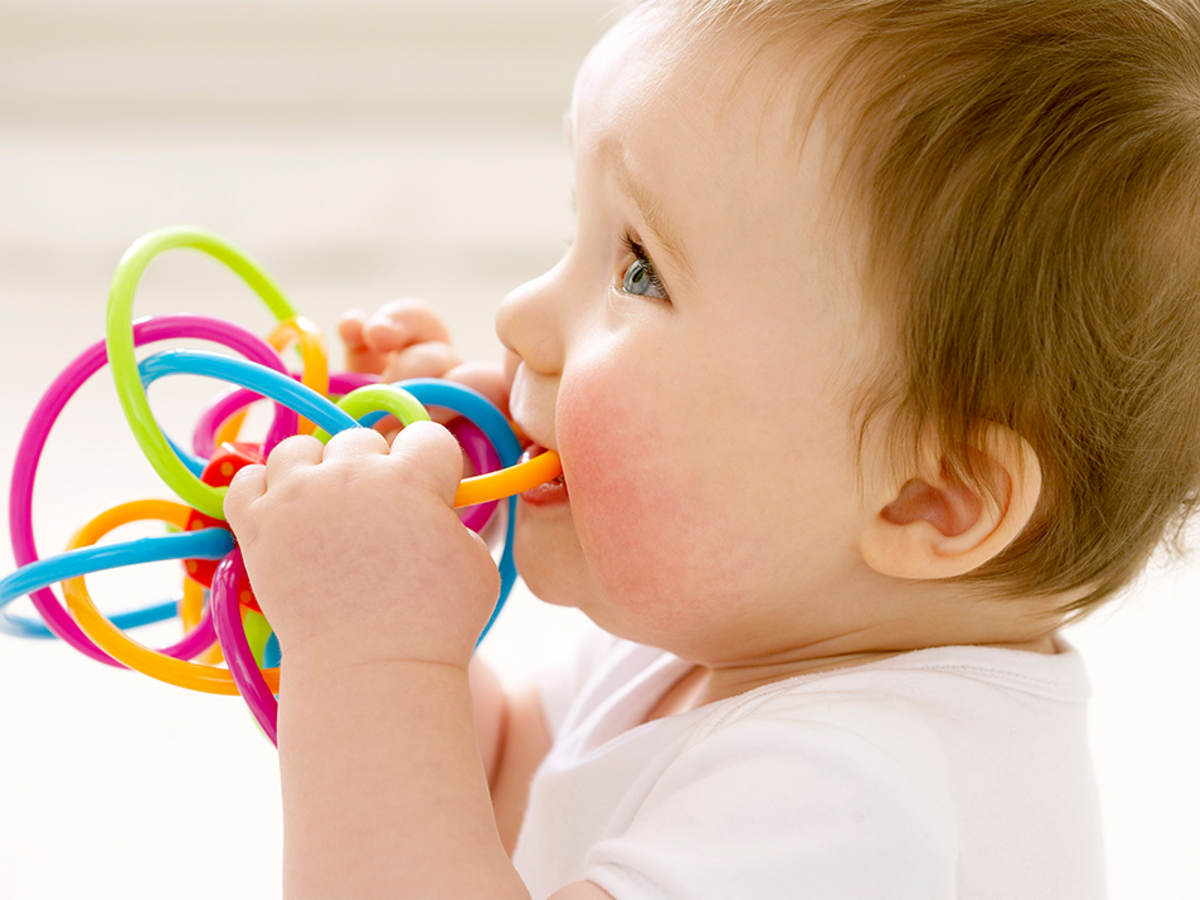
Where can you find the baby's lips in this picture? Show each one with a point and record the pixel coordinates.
(533, 450)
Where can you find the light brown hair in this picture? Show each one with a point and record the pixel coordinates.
(1029, 172)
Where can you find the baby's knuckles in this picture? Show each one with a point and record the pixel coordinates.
(354, 558)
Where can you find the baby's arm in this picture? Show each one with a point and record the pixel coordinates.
(524, 742)
(407, 339)
(513, 741)
(384, 788)
(491, 712)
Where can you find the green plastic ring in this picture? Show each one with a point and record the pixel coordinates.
(374, 397)
(121, 358)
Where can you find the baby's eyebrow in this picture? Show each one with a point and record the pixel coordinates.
(663, 232)
(660, 226)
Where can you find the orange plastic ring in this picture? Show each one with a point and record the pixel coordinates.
(185, 674)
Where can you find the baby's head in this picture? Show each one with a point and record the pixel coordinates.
(880, 327)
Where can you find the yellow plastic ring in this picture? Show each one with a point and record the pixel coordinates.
(305, 332)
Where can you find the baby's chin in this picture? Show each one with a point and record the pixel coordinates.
(548, 556)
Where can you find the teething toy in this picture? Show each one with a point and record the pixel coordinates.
(228, 627)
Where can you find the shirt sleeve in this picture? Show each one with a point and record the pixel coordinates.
(770, 807)
(567, 671)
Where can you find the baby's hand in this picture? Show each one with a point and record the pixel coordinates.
(405, 338)
(354, 550)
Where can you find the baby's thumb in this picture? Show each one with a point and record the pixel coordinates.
(432, 456)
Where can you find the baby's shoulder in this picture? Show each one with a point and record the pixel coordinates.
(881, 729)
(924, 700)
(848, 751)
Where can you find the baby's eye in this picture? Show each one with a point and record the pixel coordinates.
(640, 276)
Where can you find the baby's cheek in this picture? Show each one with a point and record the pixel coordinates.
(629, 498)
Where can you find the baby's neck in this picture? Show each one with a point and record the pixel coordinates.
(701, 685)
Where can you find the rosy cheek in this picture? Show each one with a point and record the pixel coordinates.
(626, 485)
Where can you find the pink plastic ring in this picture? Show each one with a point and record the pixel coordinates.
(46, 413)
(228, 582)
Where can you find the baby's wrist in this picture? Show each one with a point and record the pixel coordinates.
(327, 655)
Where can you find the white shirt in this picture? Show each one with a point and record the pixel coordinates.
(959, 771)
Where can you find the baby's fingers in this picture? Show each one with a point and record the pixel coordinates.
(430, 359)
(359, 357)
(486, 378)
(400, 323)
(389, 426)
(247, 485)
(350, 329)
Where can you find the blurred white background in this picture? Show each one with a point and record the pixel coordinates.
(359, 151)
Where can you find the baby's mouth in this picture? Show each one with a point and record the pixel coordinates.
(533, 449)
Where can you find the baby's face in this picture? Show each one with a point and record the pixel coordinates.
(703, 425)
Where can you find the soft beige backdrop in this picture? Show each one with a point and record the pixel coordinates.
(359, 151)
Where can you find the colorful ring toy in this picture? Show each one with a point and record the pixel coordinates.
(222, 624)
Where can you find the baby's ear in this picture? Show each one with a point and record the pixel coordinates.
(932, 526)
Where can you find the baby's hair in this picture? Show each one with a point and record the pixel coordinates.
(1029, 172)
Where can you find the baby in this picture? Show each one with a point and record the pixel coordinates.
(869, 368)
